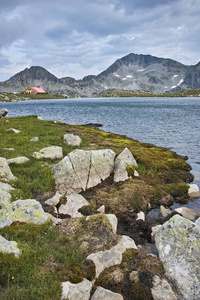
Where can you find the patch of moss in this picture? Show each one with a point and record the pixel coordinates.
(177, 189)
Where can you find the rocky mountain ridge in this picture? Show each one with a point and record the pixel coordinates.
(131, 72)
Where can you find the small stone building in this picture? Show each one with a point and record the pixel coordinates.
(34, 90)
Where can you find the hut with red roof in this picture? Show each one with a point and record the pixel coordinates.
(34, 90)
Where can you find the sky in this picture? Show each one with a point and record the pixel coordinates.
(84, 37)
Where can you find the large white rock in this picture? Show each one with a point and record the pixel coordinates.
(178, 244)
(5, 172)
(74, 203)
(29, 211)
(18, 160)
(80, 170)
(72, 140)
(111, 257)
(71, 291)
(103, 294)
(124, 159)
(194, 191)
(162, 290)
(49, 152)
(9, 247)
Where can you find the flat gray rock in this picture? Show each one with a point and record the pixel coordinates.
(49, 152)
(74, 203)
(18, 160)
(162, 290)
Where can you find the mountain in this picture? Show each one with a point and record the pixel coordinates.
(131, 72)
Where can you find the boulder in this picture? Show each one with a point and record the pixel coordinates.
(9, 247)
(18, 160)
(162, 290)
(49, 152)
(71, 291)
(103, 294)
(14, 130)
(124, 159)
(80, 170)
(178, 244)
(72, 140)
(5, 172)
(3, 112)
(194, 191)
(74, 203)
(187, 213)
(29, 211)
(111, 257)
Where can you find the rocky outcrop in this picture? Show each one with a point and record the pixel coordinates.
(178, 244)
(71, 291)
(124, 159)
(80, 170)
(49, 152)
(5, 172)
(9, 247)
(111, 257)
(29, 211)
(72, 140)
(18, 160)
(104, 294)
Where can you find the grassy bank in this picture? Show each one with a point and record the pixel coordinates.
(10, 97)
(51, 255)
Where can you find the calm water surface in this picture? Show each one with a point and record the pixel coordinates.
(168, 122)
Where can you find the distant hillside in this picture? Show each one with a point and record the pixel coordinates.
(131, 72)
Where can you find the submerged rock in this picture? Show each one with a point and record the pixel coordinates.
(187, 213)
(194, 191)
(178, 244)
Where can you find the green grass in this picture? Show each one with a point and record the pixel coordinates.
(48, 258)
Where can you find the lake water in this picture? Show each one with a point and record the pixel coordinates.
(168, 122)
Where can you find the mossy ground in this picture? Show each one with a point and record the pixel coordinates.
(161, 172)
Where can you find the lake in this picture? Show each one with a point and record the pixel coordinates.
(168, 122)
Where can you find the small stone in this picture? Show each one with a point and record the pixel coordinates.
(54, 200)
(14, 130)
(133, 276)
(136, 174)
(104, 294)
(49, 152)
(194, 191)
(74, 203)
(9, 149)
(72, 140)
(40, 118)
(187, 213)
(9, 247)
(101, 209)
(34, 139)
(140, 216)
(165, 211)
(77, 291)
(18, 160)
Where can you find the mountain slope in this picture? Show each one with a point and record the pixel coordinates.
(131, 72)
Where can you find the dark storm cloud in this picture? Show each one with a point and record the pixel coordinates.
(81, 37)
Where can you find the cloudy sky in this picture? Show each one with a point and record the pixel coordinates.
(81, 37)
